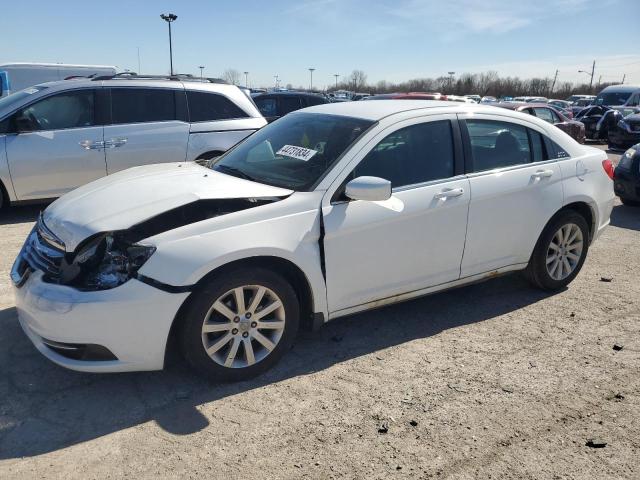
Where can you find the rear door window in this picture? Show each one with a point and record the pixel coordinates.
(496, 144)
(204, 107)
(544, 114)
(137, 105)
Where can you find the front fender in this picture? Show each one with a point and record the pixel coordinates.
(295, 238)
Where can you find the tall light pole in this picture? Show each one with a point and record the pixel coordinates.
(170, 18)
(201, 67)
(336, 75)
(451, 74)
(311, 70)
(276, 79)
(246, 79)
(593, 71)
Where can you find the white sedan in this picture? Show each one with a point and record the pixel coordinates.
(330, 210)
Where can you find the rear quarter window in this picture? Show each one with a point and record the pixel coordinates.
(206, 107)
(140, 105)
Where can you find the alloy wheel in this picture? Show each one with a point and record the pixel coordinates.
(243, 326)
(564, 251)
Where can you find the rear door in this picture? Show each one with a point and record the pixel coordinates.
(56, 144)
(148, 125)
(516, 187)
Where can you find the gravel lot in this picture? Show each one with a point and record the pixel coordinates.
(495, 380)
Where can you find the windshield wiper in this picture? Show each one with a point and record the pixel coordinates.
(234, 172)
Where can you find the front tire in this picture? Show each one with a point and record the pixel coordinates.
(239, 325)
(560, 252)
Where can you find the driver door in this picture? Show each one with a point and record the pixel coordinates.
(377, 250)
(56, 145)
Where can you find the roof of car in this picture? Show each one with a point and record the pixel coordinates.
(290, 93)
(621, 88)
(383, 108)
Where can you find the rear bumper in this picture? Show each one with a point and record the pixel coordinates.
(131, 322)
(626, 185)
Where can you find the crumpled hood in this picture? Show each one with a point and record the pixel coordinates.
(126, 198)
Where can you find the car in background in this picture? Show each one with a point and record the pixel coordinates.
(488, 100)
(625, 133)
(408, 96)
(294, 227)
(531, 99)
(274, 105)
(475, 98)
(359, 96)
(461, 99)
(57, 136)
(559, 104)
(575, 98)
(598, 120)
(574, 129)
(626, 184)
(18, 76)
(624, 98)
(579, 105)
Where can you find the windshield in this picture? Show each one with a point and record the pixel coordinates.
(16, 98)
(612, 98)
(295, 151)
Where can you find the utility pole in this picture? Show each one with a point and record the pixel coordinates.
(311, 70)
(554, 81)
(246, 79)
(276, 79)
(139, 60)
(336, 75)
(170, 18)
(201, 67)
(623, 77)
(593, 71)
(599, 80)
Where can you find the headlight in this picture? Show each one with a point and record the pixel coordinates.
(106, 262)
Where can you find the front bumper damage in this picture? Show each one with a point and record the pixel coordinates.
(132, 322)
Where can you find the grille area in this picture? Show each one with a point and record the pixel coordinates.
(40, 256)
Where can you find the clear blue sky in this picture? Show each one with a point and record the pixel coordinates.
(393, 40)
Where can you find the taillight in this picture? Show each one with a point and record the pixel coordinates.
(608, 167)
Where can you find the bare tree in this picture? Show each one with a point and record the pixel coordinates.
(231, 75)
(358, 80)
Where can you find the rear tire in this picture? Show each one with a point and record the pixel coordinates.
(226, 334)
(560, 252)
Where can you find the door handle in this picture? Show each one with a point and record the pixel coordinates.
(448, 193)
(91, 145)
(543, 174)
(115, 142)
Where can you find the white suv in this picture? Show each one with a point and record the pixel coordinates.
(57, 136)
(328, 211)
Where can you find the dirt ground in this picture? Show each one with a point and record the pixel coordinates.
(495, 380)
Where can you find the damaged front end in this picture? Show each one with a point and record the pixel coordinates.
(106, 260)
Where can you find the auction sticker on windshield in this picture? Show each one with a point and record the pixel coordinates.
(299, 153)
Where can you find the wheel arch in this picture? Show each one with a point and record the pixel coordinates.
(291, 272)
(586, 211)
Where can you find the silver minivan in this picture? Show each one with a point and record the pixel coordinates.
(57, 136)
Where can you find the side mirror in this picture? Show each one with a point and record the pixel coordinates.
(372, 189)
